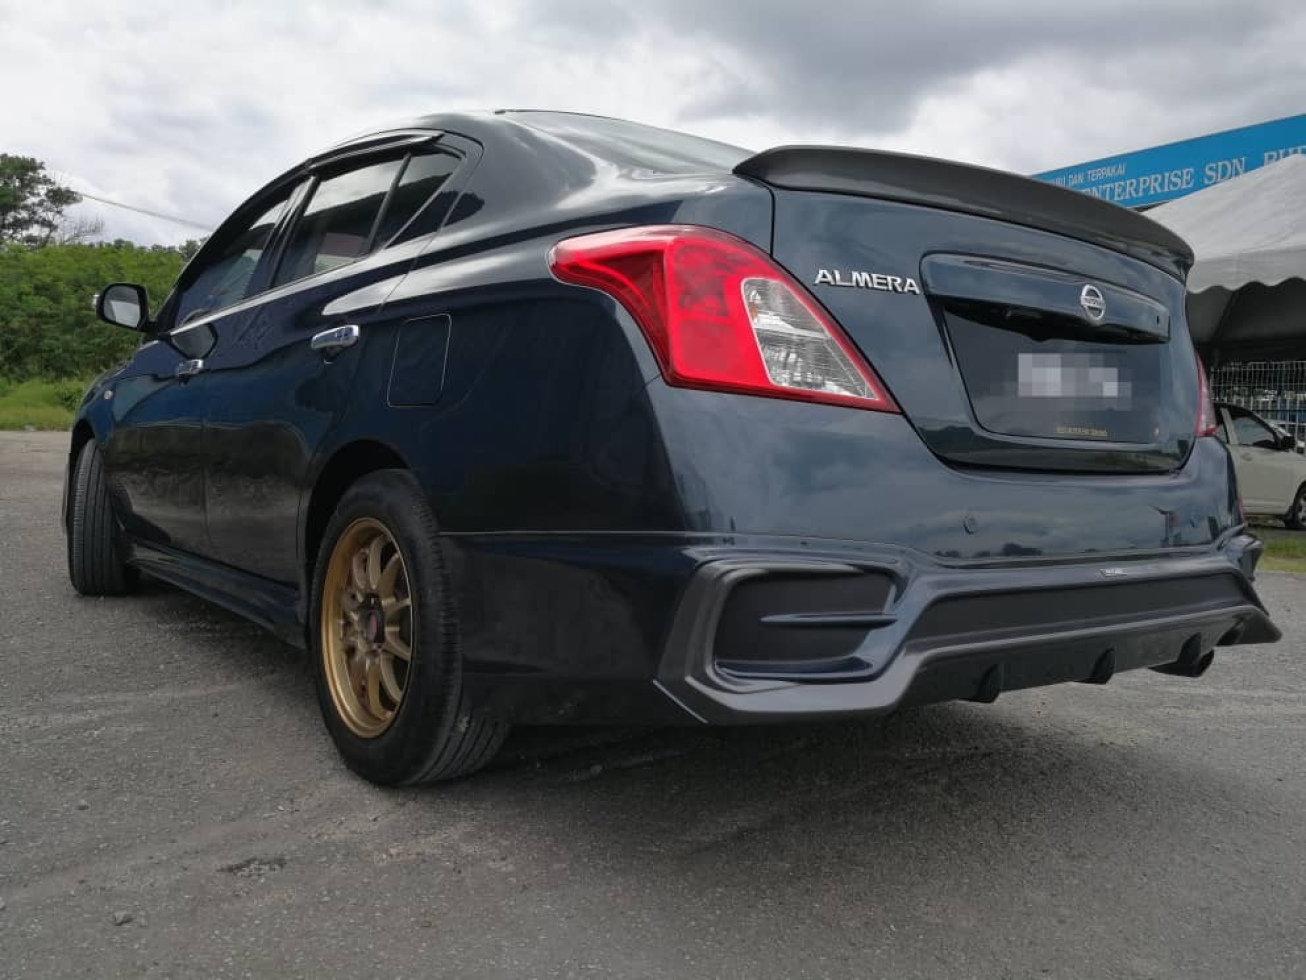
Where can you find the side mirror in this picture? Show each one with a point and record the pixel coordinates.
(124, 304)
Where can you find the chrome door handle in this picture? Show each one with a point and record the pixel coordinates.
(188, 369)
(336, 339)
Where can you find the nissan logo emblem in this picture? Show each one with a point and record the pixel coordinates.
(1092, 302)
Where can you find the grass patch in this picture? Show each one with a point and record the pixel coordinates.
(1285, 551)
(39, 404)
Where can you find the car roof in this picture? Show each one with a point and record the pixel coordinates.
(550, 154)
(623, 143)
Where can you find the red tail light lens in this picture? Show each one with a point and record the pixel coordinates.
(721, 315)
(1207, 421)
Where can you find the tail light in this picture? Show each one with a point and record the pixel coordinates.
(721, 315)
(1207, 421)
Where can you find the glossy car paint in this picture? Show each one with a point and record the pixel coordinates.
(577, 493)
(900, 334)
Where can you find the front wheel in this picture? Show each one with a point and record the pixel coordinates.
(1296, 516)
(384, 641)
(95, 561)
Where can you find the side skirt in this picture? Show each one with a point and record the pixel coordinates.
(269, 604)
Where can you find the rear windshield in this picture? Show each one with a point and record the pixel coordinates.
(635, 146)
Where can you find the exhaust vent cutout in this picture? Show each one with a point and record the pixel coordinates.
(1192, 662)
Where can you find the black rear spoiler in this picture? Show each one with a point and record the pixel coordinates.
(972, 190)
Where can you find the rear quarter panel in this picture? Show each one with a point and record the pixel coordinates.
(542, 421)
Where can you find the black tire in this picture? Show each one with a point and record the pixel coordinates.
(95, 559)
(434, 734)
(1296, 516)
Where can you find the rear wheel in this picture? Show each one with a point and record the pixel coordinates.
(385, 642)
(1296, 516)
(95, 559)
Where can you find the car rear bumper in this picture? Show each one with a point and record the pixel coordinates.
(767, 638)
(734, 629)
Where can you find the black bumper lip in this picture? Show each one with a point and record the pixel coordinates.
(909, 656)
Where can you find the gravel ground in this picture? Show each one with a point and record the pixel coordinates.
(170, 806)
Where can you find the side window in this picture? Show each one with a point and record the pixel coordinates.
(424, 175)
(1221, 432)
(1251, 432)
(225, 278)
(336, 226)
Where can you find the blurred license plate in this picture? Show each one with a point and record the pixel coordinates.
(1034, 382)
(1087, 377)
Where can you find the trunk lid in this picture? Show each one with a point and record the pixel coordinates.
(1019, 325)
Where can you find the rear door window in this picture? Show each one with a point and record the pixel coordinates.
(354, 213)
(337, 223)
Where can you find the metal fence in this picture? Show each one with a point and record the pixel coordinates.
(1274, 390)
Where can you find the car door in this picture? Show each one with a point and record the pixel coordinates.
(278, 384)
(1267, 475)
(154, 458)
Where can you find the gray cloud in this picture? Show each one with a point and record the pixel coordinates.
(186, 109)
(867, 66)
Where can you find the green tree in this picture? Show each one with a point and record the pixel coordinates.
(32, 203)
(48, 328)
(186, 249)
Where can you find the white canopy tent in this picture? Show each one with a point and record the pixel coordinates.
(1247, 289)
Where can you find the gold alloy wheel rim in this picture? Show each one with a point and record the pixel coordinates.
(367, 627)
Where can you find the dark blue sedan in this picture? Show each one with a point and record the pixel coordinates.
(547, 418)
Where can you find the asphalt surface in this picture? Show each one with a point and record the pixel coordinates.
(163, 762)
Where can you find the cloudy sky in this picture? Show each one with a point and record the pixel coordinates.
(184, 108)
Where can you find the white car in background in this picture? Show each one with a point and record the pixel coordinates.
(1271, 471)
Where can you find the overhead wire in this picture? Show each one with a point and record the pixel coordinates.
(146, 211)
(69, 181)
